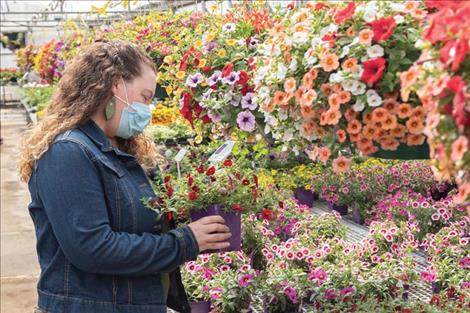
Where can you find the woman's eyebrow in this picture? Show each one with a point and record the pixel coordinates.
(149, 91)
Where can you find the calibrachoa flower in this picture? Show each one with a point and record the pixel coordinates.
(246, 121)
(245, 280)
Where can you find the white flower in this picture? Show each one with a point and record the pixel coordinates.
(316, 42)
(345, 51)
(300, 38)
(229, 27)
(332, 28)
(336, 77)
(395, 6)
(263, 92)
(283, 115)
(373, 98)
(359, 105)
(360, 90)
(281, 72)
(228, 96)
(288, 136)
(350, 85)
(399, 19)
(375, 51)
(419, 44)
(370, 14)
(241, 42)
(293, 65)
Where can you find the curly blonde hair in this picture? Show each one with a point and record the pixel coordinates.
(85, 85)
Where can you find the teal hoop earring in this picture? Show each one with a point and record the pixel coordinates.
(110, 110)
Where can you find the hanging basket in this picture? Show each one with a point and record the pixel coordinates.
(405, 152)
(200, 307)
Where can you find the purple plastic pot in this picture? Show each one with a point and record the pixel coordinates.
(341, 209)
(356, 215)
(232, 220)
(305, 197)
(406, 293)
(436, 287)
(200, 307)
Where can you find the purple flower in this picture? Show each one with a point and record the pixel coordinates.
(330, 294)
(465, 284)
(318, 275)
(347, 290)
(232, 78)
(215, 77)
(246, 121)
(194, 80)
(248, 101)
(215, 118)
(245, 280)
(291, 294)
(211, 46)
(465, 262)
(253, 43)
(429, 275)
(229, 27)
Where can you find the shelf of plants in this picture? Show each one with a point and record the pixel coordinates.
(310, 93)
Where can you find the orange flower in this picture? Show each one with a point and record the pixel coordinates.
(299, 93)
(332, 117)
(369, 150)
(411, 6)
(350, 65)
(354, 137)
(390, 122)
(308, 127)
(389, 144)
(370, 132)
(350, 32)
(354, 127)
(350, 114)
(341, 134)
(313, 73)
(329, 62)
(344, 97)
(404, 110)
(307, 111)
(324, 154)
(462, 196)
(280, 98)
(415, 125)
(418, 112)
(277, 29)
(399, 131)
(309, 97)
(363, 143)
(381, 135)
(337, 88)
(459, 148)
(334, 101)
(379, 115)
(390, 105)
(290, 85)
(367, 117)
(415, 140)
(268, 106)
(365, 36)
(341, 164)
(327, 89)
(307, 81)
(378, 125)
(409, 77)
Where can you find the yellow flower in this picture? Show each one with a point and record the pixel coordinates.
(202, 63)
(198, 44)
(169, 89)
(180, 75)
(273, 172)
(210, 37)
(159, 77)
(221, 53)
(231, 42)
(168, 59)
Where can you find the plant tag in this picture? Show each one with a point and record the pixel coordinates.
(180, 155)
(223, 152)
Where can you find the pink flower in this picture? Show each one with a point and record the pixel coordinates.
(330, 294)
(216, 293)
(435, 217)
(459, 148)
(465, 262)
(245, 280)
(290, 255)
(228, 260)
(291, 294)
(318, 275)
(224, 268)
(347, 290)
(430, 275)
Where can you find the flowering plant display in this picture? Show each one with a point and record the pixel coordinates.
(47, 63)
(9, 75)
(440, 78)
(25, 57)
(329, 78)
(36, 95)
(448, 255)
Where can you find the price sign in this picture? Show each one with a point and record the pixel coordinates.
(179, 157)
(223, 152)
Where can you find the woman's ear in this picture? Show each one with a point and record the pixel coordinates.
(116, 86)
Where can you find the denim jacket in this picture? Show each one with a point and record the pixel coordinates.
(98, 246)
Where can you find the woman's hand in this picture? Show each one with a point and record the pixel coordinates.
(211, 233)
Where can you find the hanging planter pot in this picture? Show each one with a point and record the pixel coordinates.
(232, 220)
(406, 292)
(436, 287)
(341, 209)
(356, 215)
(405, 152)
(305, 197)
(200, 306)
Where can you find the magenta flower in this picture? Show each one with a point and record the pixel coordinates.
(318, 275)
(347, 290)
(245, 280)
(291, 293)
(216, 293)
(430, 275)
(246, 121)
(330, 294)
(465, 262)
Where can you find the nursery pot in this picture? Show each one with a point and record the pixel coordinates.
(405, 152)
(356, 215)
(436, 287)
(232, 220)
(305, 197)
(406, 293)
(341, 209)
(200, 307)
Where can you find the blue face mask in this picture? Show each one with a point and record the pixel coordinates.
(133, 122)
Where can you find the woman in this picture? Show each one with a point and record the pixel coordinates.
(99, 248)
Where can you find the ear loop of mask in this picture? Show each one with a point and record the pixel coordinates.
(110, 109)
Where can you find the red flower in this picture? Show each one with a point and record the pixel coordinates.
(190, 181)
(237, 208)
(345, 14)
(169, 192)
(243, 78)
(197, 109)
(251, 63)
(320, 6)
(373, 70)
(267, 214)
(227, 69)
(169, 216)
(192, 196)
(460, 50)
(206, 119)
(167, 179)
(291, 6)
(206, 68)
(210, 171)
(245, 182)
(195, 189)
(255, 180)
(246, 89)
(186, 110)
(457, 85)
(200, 169)
(238, 176)
(228, 163)
(383, 28)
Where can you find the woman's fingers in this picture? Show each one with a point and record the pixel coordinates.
(211, 219)
(216, 228)
(217, 245)
(218, 237)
